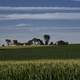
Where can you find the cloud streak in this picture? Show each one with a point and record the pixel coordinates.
(41, 16)
(23, 25)
(15, 15)
(40, 8)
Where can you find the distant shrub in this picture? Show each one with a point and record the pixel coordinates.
(61, 42)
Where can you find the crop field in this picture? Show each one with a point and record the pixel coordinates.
(40, 52)
(40, 62)
(40, 70)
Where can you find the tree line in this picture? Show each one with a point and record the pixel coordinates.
(36, 41)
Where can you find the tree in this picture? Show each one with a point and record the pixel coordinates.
(15, 42)
(35, 41)
(3, 45)
(51, 43)
(29, 42)
(46, 38)
(8, 41)
(40, 42)
(61, 42)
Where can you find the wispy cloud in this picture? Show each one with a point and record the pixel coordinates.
(41, 16)
(40, 8)
(23, 25)
(14, 15)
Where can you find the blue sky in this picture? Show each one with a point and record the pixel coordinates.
(49, 3)
(24, 19)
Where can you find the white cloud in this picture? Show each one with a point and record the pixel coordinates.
(41, 16)
(40, 8)
(58, 15)
(23, 25)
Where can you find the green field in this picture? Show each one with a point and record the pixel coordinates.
(40, 70)
(40, 52)
(40, 62)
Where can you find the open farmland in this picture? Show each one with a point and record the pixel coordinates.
(40, 52)
(40, 70)
(40, 63)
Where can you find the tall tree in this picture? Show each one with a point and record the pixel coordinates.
(34, 40)
(8, 41)
(46, 38)
(40, 41)
(29, 42)
(15, 42)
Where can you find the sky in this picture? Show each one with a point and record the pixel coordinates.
(25, 19)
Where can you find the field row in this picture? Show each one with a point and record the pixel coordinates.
(40, 52)
(40, 70)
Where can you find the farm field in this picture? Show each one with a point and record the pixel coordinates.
(40, 52)
(40, 62)
(40, 70)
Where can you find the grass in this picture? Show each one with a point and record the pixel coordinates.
(40, 70)
(40, 52)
